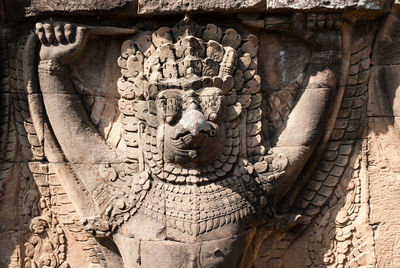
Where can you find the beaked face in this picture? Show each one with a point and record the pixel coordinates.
(184, 121)
(192, 126)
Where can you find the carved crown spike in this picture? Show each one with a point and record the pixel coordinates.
(187, 56)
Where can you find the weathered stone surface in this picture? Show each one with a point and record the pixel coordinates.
(383, 89)
(383, 143)
(387, 40)
(253, 140)
(334, 4)
(386, 235)
(164, 6)
(20, 9)
(23, 9)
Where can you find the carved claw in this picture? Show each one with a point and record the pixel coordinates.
(96, 226)
(282, 223)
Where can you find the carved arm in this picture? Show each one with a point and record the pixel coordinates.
(279, 171)
(78, 138)
(303, 129)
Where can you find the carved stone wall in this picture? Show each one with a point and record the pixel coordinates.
(199, 133)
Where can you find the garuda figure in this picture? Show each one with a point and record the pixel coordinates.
(200, 174)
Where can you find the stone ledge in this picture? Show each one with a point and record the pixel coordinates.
(22, 9)
(25, 9)
(164, 6)
(328, 4)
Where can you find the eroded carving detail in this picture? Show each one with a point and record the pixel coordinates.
(185, 103)
(214, 148)
(350, 237)
(349, 240)
(47, 246)
(200, 164)
(56, 204)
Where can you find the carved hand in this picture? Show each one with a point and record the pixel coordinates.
(61, 42)
(319, 30)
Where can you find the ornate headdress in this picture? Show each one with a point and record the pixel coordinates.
(188, 57)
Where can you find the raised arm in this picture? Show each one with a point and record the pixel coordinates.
(303, 129)
(82, 146)
(291, 148)
(61, 44)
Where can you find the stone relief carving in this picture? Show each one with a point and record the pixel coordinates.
(344, 237)
(340, 235)
(211, 161)
(47, 247)
(198, 166)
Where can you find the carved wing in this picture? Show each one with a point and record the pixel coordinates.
(330, 199)
(19, 142)
(337, 158)
(7, 123)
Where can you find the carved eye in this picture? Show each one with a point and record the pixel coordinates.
(169, 105)
(161, 105)
(212, 107)
(173, 106)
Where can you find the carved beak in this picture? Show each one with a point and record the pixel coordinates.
(195, 123)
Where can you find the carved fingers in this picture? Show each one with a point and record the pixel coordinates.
(318, 29)
(60, 41)
(59, 32)
(69, 32)
(63, 42)
(55, 33)
(39, 30)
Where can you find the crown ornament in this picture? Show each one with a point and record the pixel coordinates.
(185, 57)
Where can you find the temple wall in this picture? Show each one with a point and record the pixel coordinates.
(292, 162)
